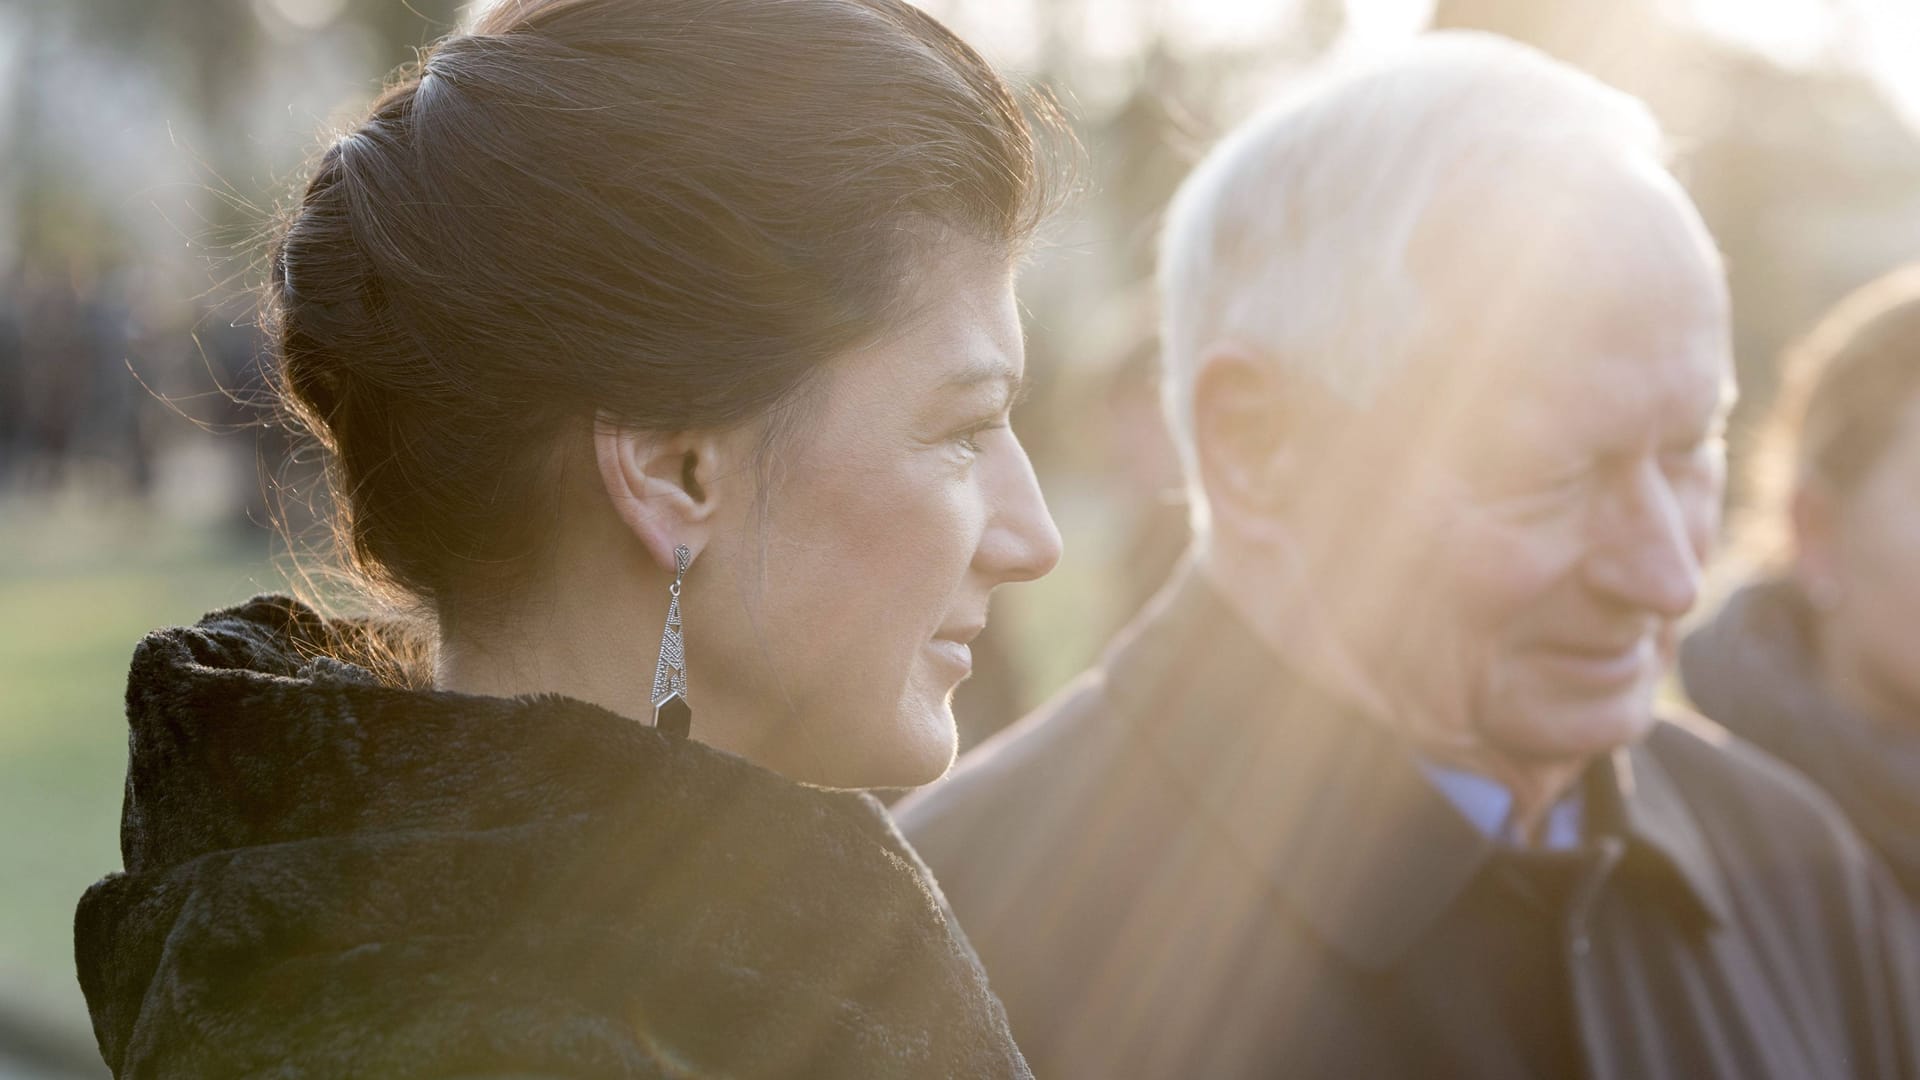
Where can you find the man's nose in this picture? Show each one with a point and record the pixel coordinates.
(1647, 555)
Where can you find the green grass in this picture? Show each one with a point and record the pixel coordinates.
(79, 584)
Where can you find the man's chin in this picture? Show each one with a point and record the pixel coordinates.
(1574, 730)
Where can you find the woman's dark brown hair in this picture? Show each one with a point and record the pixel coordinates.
(1845, 390)
(672, 211)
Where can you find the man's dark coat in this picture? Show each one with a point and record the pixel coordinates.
(1195, 865)
(327, 876)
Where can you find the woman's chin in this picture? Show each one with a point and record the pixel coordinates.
(913, 761)
(911, 748)
(931, 764)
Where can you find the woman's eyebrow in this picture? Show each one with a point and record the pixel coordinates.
(987, 370)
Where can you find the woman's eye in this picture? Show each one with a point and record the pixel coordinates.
(969, 438)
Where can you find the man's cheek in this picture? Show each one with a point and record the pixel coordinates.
(1496, 577)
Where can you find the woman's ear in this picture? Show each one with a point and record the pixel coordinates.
(662, 485)
(1815, 514)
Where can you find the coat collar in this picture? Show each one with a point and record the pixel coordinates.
(1330, 807)
(450, 883)
(1664, 840)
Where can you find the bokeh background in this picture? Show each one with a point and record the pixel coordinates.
(145, 143)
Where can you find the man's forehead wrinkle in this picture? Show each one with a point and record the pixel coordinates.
(1568, 398)
(1620, 403)
(1561, 344)
(1571, 234)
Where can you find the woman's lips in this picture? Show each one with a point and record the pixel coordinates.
(951, 645)
(954, 654)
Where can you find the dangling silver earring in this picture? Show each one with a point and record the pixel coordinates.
(671, 713)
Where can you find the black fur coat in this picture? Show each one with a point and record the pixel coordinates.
(328, 876)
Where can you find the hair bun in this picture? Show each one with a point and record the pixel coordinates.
(325, 292)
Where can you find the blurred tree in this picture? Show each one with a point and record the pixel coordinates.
(210, 54)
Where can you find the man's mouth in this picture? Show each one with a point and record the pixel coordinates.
(1599, 664)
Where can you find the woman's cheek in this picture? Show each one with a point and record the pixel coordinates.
(1888, 574)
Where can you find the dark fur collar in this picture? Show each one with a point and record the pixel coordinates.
(328, 876)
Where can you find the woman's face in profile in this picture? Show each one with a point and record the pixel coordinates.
(903, 498)
(1872, 562)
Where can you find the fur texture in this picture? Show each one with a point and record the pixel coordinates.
(327, 876)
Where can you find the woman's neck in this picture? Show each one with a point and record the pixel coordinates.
(539, 652)
(595, 641)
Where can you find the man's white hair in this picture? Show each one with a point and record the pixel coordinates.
(1291, 238)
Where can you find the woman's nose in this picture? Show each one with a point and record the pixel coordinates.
(1021, 542)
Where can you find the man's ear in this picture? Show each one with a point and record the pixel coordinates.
(1815, 513)
(1245, 440)
(662, 485)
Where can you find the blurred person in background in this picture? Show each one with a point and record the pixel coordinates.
(1376, 787)
(1817, 660)
(663, 355)
(13, 378)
